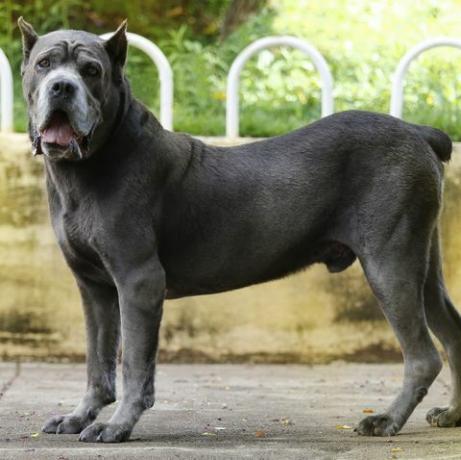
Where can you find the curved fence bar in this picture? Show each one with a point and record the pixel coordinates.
(6, 94)
(402, 68)
(165, 74)
(233, 79)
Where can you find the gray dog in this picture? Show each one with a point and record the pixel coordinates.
(143, 214)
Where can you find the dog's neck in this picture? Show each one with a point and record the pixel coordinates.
(125, 98)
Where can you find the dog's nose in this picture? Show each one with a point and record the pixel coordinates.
(63, 88)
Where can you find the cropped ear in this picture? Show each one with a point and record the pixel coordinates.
(29, 38)
(116, 47)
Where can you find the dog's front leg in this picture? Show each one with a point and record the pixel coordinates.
(102, 317)
(141, 294)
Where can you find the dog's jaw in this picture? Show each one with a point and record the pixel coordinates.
(57, 139)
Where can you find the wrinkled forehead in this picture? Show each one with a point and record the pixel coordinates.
(71, 44)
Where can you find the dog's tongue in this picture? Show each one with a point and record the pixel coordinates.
(58, 130)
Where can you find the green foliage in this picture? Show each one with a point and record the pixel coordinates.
(362, 42)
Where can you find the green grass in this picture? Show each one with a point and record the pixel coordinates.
(362, 42)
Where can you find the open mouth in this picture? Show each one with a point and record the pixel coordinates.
(58, 130)
(58, 134)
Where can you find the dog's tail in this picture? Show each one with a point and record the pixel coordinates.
(439, 142)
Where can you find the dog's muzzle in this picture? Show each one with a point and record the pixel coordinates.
(61, 139)
(65, 121)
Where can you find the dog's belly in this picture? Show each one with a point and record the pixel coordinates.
(335, 255)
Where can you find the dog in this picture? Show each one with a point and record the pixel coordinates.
(142, 214)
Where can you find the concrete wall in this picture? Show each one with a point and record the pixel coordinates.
(310, 317)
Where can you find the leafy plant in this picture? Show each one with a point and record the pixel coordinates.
(362, 42)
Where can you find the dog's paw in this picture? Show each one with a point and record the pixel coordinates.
(378, 425)
(65, 424)
(105, 432)
(443, 417)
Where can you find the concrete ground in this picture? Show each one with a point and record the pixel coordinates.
(229, 411)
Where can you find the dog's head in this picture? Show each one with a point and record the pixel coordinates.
(72, 82)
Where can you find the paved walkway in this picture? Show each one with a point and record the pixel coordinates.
(228, 411)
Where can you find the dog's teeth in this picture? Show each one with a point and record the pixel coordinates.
(76, 147)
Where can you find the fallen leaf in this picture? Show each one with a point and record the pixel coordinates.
(368, 411)
(260, 434)
(285, 421)
(207, 433)
(35, 435)
(396, 449)
(343, 427)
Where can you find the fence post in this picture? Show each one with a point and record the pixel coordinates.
(402, 68)
(6, 94)
(233, 79)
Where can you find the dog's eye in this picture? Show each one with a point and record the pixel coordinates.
(44, 63)
(91, 70)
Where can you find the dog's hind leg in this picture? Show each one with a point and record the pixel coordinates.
(396, 267)
(445, 321)
(100, 303)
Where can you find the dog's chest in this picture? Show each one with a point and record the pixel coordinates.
(77, 229)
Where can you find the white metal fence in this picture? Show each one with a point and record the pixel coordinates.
(6, 94)
(233, 79)
(404, 64)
